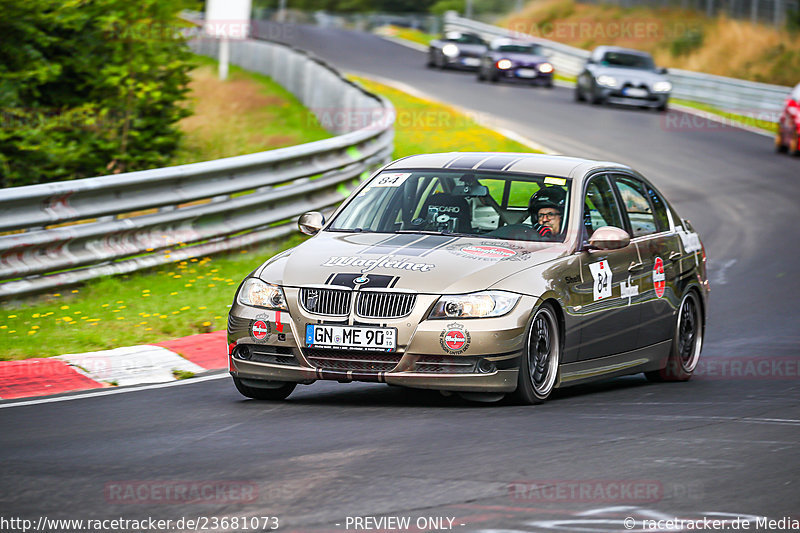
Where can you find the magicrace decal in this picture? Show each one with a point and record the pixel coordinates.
(659, 279)
(601, 273)
(455, 339)
(490, 251)
(260, 329)
(371, 264)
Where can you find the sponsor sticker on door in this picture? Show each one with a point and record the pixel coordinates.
(659, 279)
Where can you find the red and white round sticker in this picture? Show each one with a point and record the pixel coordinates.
(454, 339)
(260, 329)
(659, 279)
(493, 252)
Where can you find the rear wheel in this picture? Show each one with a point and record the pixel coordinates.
(538, 369)
(793, 148)
(779, 146)
(272, 390)
(686, 343)
(579, 94)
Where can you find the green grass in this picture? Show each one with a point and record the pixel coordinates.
(423, 126)
(193, 296)
(171, 301)
(408, 34)
(245, 114)
(753, 122)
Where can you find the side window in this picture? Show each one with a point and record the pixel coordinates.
(635, 203)
(600, 206)
(659, 208)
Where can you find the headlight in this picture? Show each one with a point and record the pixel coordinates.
(257, 293)
(662, 87)
(476, 305)
(546, 68)
(450, 50)
(504, 64)
(607, 81)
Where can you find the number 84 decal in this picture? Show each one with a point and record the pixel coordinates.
(601, 272)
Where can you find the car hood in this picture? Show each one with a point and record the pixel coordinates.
(433, 264)
(520, 58)
(631, 75)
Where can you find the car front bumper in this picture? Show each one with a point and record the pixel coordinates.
(487, 360)
(616, 96)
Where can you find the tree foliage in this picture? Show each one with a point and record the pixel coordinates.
(89, 87)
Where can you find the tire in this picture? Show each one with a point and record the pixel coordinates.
(281, 392)
(481, 76)
(794, 142)
(538, 370)
(431, 63)
(687, 342)
(663, 108)
(596, 99)
(779, 146)
(579, 94)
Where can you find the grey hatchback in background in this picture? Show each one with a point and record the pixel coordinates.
(623, 76)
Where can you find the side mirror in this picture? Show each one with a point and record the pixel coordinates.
(662, 70)
(590, 61)
(609, 238)
(310, 223)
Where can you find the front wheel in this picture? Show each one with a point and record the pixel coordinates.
(273, 390)
(686, 343)
(538, 368)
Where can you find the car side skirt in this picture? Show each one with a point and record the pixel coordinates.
(645, 359)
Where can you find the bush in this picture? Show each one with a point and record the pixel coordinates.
(688, 42)
(89, 87)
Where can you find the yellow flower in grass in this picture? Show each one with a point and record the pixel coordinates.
(64, 307)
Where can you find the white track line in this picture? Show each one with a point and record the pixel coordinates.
(109, 392)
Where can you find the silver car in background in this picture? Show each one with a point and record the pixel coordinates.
(623, 76)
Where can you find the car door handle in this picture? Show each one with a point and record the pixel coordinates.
(635, 267)
(674, 255)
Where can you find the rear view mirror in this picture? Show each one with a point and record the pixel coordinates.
(310, 223)
(470, 190)
(609, 238)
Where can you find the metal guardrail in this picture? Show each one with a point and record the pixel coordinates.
(71, 231)
(756, 100)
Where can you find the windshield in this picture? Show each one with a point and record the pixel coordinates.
(487, 205)
(533, 49)
(463, 38)
(617, 59)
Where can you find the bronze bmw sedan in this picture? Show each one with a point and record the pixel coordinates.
(483, 274)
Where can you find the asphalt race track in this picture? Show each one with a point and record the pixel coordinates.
(721, 446)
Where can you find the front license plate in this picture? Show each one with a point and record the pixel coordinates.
(526, 73)
(351, 337)
(471, 61)
(635, 92)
